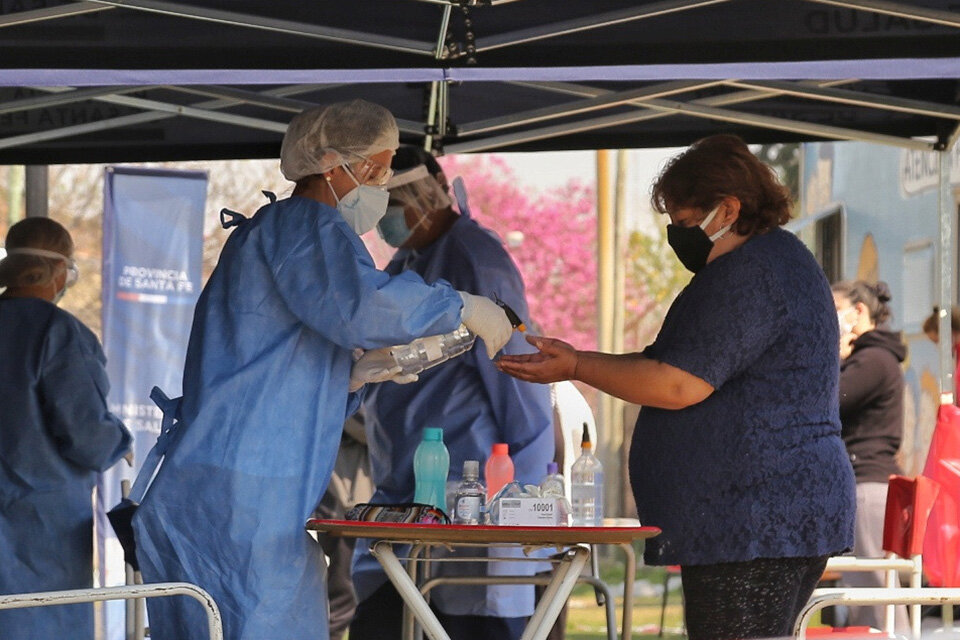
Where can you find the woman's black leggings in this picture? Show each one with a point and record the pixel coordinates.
(757, 599)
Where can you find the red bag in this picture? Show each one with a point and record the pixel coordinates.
(941, 545)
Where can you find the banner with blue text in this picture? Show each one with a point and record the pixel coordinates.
(152, 276)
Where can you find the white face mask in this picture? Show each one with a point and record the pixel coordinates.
(363, 206)
(846, 326)
(706, 221)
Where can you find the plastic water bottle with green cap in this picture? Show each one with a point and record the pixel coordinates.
(431, 464)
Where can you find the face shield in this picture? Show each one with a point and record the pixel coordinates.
(418, 189)
(73, 271)
(411, 190)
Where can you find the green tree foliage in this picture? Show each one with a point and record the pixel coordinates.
(785, 159)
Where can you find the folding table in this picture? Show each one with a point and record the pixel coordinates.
(575, 541)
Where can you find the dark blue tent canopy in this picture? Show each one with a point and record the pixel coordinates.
(136, 80)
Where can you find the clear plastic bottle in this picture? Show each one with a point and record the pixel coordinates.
(552, 484)
(430, 351)
(471, 495)
(431, 464)
(586, 486)
(498, 470)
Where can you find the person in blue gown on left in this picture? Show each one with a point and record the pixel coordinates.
(270, 376)
(56, 434)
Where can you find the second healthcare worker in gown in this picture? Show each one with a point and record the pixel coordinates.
(737, 454)
(268, 382)
(474, 404)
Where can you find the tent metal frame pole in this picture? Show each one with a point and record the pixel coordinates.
(953, 138)
(81, 129)
(133, 119)
(36, 190)
(51, 13)
(591, 22)
(246, 97)
(783, 124)
(948, 252)
(189, 112)
(457, 3)
(595, 123)
(611, 99)
(587, 91)
(899, 10)
(644, 114)
(547, 132)
(432, 116)
(856, 98)
(67, 97)
(443, 108)
(287, 27)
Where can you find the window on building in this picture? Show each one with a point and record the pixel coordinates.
(828, 243)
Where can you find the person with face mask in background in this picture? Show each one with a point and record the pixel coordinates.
(931, 328)
(474, 404)
(270, 376)
(871, 415)
(56, 433)
(736, 454)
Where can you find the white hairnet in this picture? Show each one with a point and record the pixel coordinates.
(322, 138)
(417, 188)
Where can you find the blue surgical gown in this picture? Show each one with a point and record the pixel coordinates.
(55, 435)
(473, 402)
(265, 395)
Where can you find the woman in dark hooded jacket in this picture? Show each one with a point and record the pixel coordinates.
(871, 416)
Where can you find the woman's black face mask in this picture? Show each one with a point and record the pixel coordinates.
(692, 244)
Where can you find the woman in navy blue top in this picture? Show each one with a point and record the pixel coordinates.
(737, 454)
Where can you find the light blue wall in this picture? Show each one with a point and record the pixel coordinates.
(871, 182)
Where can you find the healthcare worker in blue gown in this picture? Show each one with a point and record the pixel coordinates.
(55, 434)
(270, 377)
(474, 403)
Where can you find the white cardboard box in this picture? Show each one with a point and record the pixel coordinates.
(532, 512)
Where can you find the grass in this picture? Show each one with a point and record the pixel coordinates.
(587, 621)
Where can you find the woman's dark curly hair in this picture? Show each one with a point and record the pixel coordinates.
(874, 296)
(720, 166)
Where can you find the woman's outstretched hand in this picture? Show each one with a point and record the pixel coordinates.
(555, 361)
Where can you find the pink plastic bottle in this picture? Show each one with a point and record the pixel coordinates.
(499, 469)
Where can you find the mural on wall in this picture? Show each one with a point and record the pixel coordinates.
(855, 179)
(868, 266)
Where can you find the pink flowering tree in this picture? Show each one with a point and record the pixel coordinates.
(550, 234)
